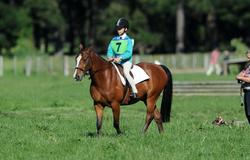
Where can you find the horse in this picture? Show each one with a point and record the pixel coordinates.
(107, 90)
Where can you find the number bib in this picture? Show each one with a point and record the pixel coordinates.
(119, 46)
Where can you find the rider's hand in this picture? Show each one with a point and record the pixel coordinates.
(117, 60)
(111, 59)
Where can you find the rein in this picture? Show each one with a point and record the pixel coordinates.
(92, 73)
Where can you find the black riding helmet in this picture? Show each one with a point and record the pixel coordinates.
(122, 23)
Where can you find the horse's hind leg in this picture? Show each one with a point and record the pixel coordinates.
(158, 120)
(150, 113)
(149, 118)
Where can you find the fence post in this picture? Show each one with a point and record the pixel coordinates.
(173, 59)
(28, 66)
(38, 64)
(66, 66)
(14, 65)
(183, 60)
(136, 59)
(1, 65)
(206, 61)
(51, 66)
(194, 61)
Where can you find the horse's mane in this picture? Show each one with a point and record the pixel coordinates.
(93, 51)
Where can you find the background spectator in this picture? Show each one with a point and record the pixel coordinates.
(214, 62)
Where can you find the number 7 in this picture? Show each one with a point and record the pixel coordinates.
(118, 44)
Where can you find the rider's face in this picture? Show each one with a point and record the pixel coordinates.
(121, 31)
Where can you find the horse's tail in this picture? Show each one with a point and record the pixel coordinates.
(167, 96)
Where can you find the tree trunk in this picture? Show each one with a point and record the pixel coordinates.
(180, 27)
(92, 4)
(46, 41)
(71, 34)
(141, 49)
(211, 29)
(37, 35)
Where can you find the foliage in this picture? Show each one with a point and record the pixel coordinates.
(144, 39)
(240, 47)
(13, 20)
(48, 23)
(202, 6)
(24, 47)
(57, 26)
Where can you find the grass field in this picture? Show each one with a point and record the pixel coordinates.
(52, 118)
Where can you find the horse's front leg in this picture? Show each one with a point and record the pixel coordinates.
(116, 116)
(99, 114)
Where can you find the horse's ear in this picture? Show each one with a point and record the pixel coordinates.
(81, 46)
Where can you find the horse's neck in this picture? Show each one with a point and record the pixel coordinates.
(98, 63)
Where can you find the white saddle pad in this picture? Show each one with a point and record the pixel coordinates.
(138, 73)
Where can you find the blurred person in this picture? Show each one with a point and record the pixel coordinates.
(214, 62)
(120, 50)
(244, 78)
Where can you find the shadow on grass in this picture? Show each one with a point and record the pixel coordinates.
(95, 135)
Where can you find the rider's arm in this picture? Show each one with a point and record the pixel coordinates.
(110, 53)
(243, 78)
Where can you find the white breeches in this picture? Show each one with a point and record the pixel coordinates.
(213, 67)
(126, 69)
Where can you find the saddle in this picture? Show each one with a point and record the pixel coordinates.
(138, 74)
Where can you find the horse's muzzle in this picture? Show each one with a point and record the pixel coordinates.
(78, 78)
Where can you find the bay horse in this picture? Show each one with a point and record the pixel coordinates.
(106, 88)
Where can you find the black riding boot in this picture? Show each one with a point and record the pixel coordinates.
(247, 104)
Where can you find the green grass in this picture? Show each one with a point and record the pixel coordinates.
(52, 118)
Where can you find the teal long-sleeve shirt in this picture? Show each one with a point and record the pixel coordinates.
(122, 48)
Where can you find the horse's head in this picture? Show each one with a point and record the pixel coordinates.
(83, 63)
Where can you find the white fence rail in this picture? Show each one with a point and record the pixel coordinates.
(1, 66)
(177, 61)
(28, 66)
(64, 65)
(214, 88)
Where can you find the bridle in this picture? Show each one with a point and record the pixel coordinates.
(91, 72)
(79, 69)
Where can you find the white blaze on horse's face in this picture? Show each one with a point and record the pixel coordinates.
(78, 59)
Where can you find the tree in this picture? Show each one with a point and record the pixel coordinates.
(48, 23)
(12, 21)
(180, 27)
(233, 20)
(160, 15)
(202, 24)
(145, 40)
